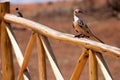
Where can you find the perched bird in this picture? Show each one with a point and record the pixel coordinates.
(19, 13)
(81, 27)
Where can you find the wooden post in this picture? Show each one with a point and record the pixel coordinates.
(80, 65)
(93, 73)
(41, 59)
(27, 57)
(6, 48)
(103, 66)
(51, 58)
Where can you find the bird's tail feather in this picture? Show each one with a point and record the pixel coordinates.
(97, 39)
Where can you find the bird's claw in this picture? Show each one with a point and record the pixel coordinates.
(81, 36)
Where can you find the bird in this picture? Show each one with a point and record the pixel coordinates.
(19, 13)
(81, 27)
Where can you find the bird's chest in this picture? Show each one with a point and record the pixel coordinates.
(77, 27)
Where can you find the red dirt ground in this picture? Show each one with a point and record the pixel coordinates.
(107, 29)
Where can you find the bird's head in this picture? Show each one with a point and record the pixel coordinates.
(17, 9)
(77, 11)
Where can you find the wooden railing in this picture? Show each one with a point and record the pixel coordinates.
(40, 34)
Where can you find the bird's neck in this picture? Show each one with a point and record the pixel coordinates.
(17, 11)
(76, 18)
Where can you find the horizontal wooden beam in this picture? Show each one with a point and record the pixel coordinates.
(44, 30)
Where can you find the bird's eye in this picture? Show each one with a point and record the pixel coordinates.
(75, 11)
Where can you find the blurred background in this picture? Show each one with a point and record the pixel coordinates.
(102, 17)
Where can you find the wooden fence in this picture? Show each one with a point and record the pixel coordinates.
(93, 50)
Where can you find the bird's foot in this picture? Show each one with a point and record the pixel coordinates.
(81, 36)
(87, 36)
